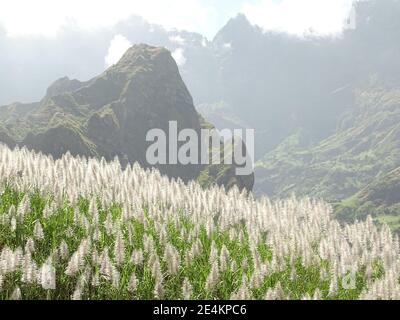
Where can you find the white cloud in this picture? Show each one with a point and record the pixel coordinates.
(118, 46)
(22, 17)
(179, 56)
(299, 16)
(177, 39)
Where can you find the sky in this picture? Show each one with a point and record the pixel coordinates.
(46, 17)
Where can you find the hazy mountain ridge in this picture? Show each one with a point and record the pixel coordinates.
(279, 84)
(276, 83)
(366, 145)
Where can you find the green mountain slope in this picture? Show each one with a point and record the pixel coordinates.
(380, 199)
(366, 146)
(111, 114)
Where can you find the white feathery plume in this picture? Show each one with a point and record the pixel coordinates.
(317, 295)
(213, 253)
(23, 208)
(63, 250)
(77, 295)
(38, 231)
(13, 224)
(95, 280)
(159, 290)
(106, 267)
(119, 249)
(16, 295)
(115, 277)
(48, 211)
(234, 266)
(156, 268)
(109, 226)
(306, 297)
(78, 258)
(30, 246)
(276, 293)
(16, 258)
(137, 258)
(48, 276)
(133, 283)
(224, 259)
(257, 279)
(243, 293)
(77, 216)
(172, 258)
(187, 289)
(213, 278)
(96, 234)
(96, 258)
(12, 211)
(94, 212)
(333, 287)
(29, 269)
(84, 223)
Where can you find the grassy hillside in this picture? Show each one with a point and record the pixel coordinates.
(366, 146)
(380, 199)
(75, 228)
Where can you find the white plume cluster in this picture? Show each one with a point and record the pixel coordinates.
(141, 235)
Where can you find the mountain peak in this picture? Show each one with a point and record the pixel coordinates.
(146, 49)
(238, 25)
(140, 53)
(241, 18)
(63, 85)
(112, 114)
(240, 21)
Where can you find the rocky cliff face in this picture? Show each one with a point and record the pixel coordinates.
(111, 114)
